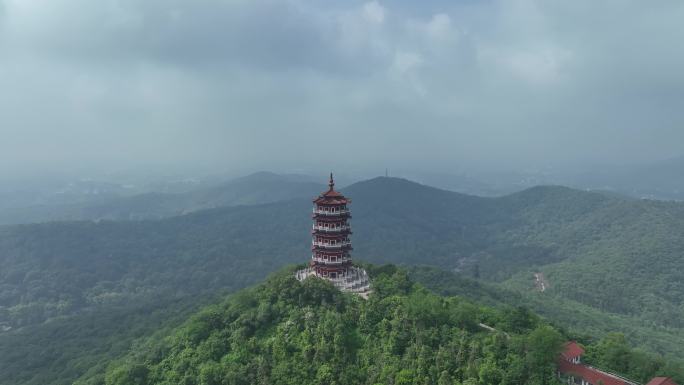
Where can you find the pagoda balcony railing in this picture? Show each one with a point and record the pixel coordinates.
(331, 245)
(352, 282)
(330, 213)
(332, 229)
(329, 262)
(356, 280)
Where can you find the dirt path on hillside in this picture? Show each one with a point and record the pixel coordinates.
(540, 282)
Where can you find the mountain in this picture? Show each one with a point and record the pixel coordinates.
(608, 263)
(256, 188)
(287, 332)
(662, 180)
(461, 182)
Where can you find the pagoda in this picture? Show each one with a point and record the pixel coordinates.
(331, 246)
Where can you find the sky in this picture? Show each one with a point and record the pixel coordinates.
(287, 85)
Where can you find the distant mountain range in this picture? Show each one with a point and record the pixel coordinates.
(88, 199)
(610, 263)
(262, 187)
(662, 180)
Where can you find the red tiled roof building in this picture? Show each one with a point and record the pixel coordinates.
(587, 375)
(572, 371)
(572, 352)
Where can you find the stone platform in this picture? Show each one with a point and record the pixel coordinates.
(354, 281)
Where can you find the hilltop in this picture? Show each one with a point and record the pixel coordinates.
(287, 332)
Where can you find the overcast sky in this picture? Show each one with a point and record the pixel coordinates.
(282, 85)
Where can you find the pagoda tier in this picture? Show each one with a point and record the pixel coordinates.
(327, 226)
(331, 244)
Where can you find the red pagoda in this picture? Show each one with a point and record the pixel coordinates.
(330, 245)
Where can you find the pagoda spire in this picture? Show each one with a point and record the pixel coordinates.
(331, 183)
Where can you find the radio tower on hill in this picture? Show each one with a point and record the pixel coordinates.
(330, 245)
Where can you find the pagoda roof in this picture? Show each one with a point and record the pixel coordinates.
(331, 219)
(331, 196)
(332, 201)
(341, 234)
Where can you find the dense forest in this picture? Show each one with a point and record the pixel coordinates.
(287, 332)
(583, 320)
(612, 352)
(613, 264)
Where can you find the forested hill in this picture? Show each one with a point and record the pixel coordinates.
(615, 259)
(287, 332)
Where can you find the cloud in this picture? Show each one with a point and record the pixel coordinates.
(374, 12)
(255, 83)
(406, 61)
(439, 27)
(536, 66)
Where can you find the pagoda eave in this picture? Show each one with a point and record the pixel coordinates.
(331, 216)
